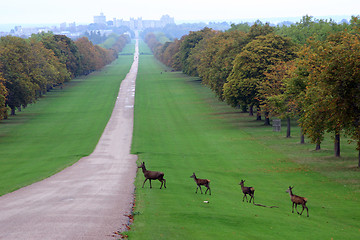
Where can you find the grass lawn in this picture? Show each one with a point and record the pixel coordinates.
(181, 128)
(60, 128)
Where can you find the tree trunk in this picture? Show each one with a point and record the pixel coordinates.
(267, 119)
(359, 160)
(258, 114)
(12, 111)
(302, 136)
(251, 110)
(317, 146)
(337, 144)
(302, 139)
(288, 130)
(244, 108)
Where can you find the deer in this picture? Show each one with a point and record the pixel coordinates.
(199, 182)
(297, 200)
(246, 191)
(152, 175)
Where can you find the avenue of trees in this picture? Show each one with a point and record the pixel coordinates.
(309, 71)
(31, 67)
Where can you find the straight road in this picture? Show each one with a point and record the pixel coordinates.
(89, 200)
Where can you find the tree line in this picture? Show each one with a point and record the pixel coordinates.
(309, 71)
(31, 67)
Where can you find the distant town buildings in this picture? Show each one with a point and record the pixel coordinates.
(135, 24)
(140, 24)
(99, 25)
(70, 30)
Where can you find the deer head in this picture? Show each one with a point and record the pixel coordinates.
(142, 165)
(289, 189)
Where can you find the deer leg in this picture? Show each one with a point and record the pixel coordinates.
(208, 189)
(200, 189)
(164, 183)
(293, 207)
(245, 197)
(297, 209)
(302, 210)
(144, 182)
(304, 206)
(161, 183)
(150, 183)
(307, 210)
(251, 197)
(197, 189)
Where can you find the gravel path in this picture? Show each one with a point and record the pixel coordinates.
(89, 200)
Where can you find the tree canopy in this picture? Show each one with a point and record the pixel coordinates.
(30, 67)
(308, 70)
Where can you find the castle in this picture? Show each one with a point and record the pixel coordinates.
(136, 24)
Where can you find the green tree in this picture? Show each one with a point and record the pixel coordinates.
(189, 42)
(196, 56)
(333, 87)
(64, 49)
(242, 27)
(3, 95)
(251, 65)
(45, 69)
(218, 57)
(308, 27)
(15, 62)
(260, 29)
(276, 95)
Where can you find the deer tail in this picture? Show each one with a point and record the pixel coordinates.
(305, 199)
(252, 189)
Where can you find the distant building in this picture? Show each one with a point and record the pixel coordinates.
(100, 19)
(166, 19)
(63, 26)
(140, 24)
(26, 32)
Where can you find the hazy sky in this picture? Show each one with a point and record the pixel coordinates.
(82, 11)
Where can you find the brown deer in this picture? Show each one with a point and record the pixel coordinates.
(247, 190)
(200, 182)
(297, 200)
(152, 175)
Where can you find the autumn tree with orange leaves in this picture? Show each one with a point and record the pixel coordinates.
(331, 100)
